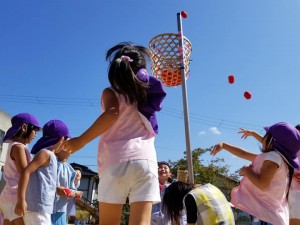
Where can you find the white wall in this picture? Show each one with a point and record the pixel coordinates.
(5, 123)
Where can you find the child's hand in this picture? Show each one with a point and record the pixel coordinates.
(63, 156)
(218, 147)
(73, 145)
(78, 194)
(21, 208)
(67, 192)
(245, 170)
(246, 133)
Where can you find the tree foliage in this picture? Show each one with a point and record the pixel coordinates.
(215, 172)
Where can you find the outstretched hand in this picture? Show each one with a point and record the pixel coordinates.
(245, 133)
(218, 147)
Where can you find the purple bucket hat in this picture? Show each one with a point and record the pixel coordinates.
(17, 121)
(53, 131)
(286, 141)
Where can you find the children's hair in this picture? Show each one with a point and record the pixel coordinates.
(297, 127)
(173, 199)
(29, 129)
(78, 168)
(291, 173)
(269, 139)
(126, 60)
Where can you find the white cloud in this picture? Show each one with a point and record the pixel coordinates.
(215, 130)
(201, 133)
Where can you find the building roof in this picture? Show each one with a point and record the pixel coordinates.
(85, 171)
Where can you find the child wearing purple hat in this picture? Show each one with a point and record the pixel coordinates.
(263, 191)
(127, 163)
(294, 191)
(294, 194)
(65, 190)
(22, 132)
(38, 182)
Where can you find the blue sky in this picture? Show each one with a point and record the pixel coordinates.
(52, 64)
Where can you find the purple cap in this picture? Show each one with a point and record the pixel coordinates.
(53, 131)
(286, 141)
(17, 121)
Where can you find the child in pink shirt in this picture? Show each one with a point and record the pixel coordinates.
(22, 132)
(127, 163)
(263, 191)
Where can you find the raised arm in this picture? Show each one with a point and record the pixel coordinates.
(247, 133)
(41, 159)
(102, 123)
(237, 151)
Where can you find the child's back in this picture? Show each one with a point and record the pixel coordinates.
(127, 163)
(131, 137)
(42, 187)
(37, 185)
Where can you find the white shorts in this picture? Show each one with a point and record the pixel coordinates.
(137, 179)
(8, 209)
(294, 198)
(37, 218)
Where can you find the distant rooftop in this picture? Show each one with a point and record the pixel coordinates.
(85, 170)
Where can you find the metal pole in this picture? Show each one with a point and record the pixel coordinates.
(184, 98)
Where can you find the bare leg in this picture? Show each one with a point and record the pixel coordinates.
(18, 221)
(140, 213)
(110, 214)
(294, 221)
(7, 222)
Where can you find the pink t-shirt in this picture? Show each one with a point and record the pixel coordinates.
(131, 137)
(270, 204)
(11, 175)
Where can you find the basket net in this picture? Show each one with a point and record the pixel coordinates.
(165, 56)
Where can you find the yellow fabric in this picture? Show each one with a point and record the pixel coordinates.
(213, 207)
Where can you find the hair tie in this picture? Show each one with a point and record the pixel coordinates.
(126, 58)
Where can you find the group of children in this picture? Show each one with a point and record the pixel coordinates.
(36, 189)
(184, 203)
(269, 190)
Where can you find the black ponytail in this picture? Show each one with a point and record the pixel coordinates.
(126, 60)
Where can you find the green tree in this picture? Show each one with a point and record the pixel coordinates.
(125, 213)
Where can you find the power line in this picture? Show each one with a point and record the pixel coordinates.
(49, 100)
(90, 102)
(208, 120)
